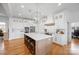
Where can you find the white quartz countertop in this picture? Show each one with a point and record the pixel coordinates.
(38, 36)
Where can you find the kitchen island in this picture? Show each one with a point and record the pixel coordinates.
(38, 44)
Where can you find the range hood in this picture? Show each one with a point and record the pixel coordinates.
(50, 21)
(50, 24)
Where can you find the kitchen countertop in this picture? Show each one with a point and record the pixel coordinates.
(38, 36)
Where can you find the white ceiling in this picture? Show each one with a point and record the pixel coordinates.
(32, 10)
(2, 11)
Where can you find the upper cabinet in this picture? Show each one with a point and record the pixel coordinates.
(61, 28)
(60, 21)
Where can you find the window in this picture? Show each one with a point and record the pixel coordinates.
(2, 26)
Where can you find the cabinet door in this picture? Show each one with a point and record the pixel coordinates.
(61, 39)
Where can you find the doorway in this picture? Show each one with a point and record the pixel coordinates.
(74, 49)
(2, 32)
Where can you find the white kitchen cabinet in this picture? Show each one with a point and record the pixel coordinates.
(59, 39)
(16, 27)
(60, 24)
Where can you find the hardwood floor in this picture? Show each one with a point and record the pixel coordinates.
(71, 49)
(59, 50)
(17, 47)
(74, 47)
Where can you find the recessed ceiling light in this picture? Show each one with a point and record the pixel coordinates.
(29, 10)
(59, 4)
(19, 14)
(22, 6)
(1, 14)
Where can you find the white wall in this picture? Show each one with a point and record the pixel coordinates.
(71, 16)
(5, 20)
(75, 24)
(74, 17)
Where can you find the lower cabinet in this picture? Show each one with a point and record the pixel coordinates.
(60, 39)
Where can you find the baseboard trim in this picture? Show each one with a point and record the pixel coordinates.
(16, 38)
(58, 44)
